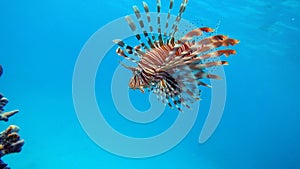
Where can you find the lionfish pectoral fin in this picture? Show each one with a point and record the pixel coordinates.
(121, 52)
(204, 84)
(129, 49)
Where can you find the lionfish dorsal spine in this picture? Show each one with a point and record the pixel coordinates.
(190, 35)
(142, 26)
(137, 35)
(158, 4)
(146, 8)
(168, 17)
(129, 49)
(121, 52)
(177, 20)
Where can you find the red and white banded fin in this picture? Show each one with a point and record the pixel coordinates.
(120, 52)
(204, 84)
(146, 8)
(160, 40)
(187, 83)
(142, 26)
(202, 75)
(156, 90)
(164, 92)
(218, 53)
(208, 64)
(133, 29)
(129, 49)
(205, 46)
(178, 18)
(168, 17)
(212, 39)
(190, 35)
(175, 97)
(193, 33)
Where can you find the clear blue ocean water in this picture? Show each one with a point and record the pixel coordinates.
(41, 40)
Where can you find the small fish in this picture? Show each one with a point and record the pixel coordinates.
(1, 70)
(170, 67)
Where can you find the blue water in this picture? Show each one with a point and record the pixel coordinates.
(41, 40)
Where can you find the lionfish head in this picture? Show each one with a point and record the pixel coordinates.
(136, 82)
(133, 82)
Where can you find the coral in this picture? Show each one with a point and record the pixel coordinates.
(5, 115)
(3, 165)
(10, 141)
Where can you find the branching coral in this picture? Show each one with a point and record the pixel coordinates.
(5, 115)
(10, 141)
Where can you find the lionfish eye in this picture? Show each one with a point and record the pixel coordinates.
(137, 71)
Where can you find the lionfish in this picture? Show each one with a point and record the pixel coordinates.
(169, 67)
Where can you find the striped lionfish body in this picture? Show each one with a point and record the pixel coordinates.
(172, 68)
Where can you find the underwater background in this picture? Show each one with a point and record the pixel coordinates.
(260, 128)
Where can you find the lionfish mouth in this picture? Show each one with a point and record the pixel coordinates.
(174, 68)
